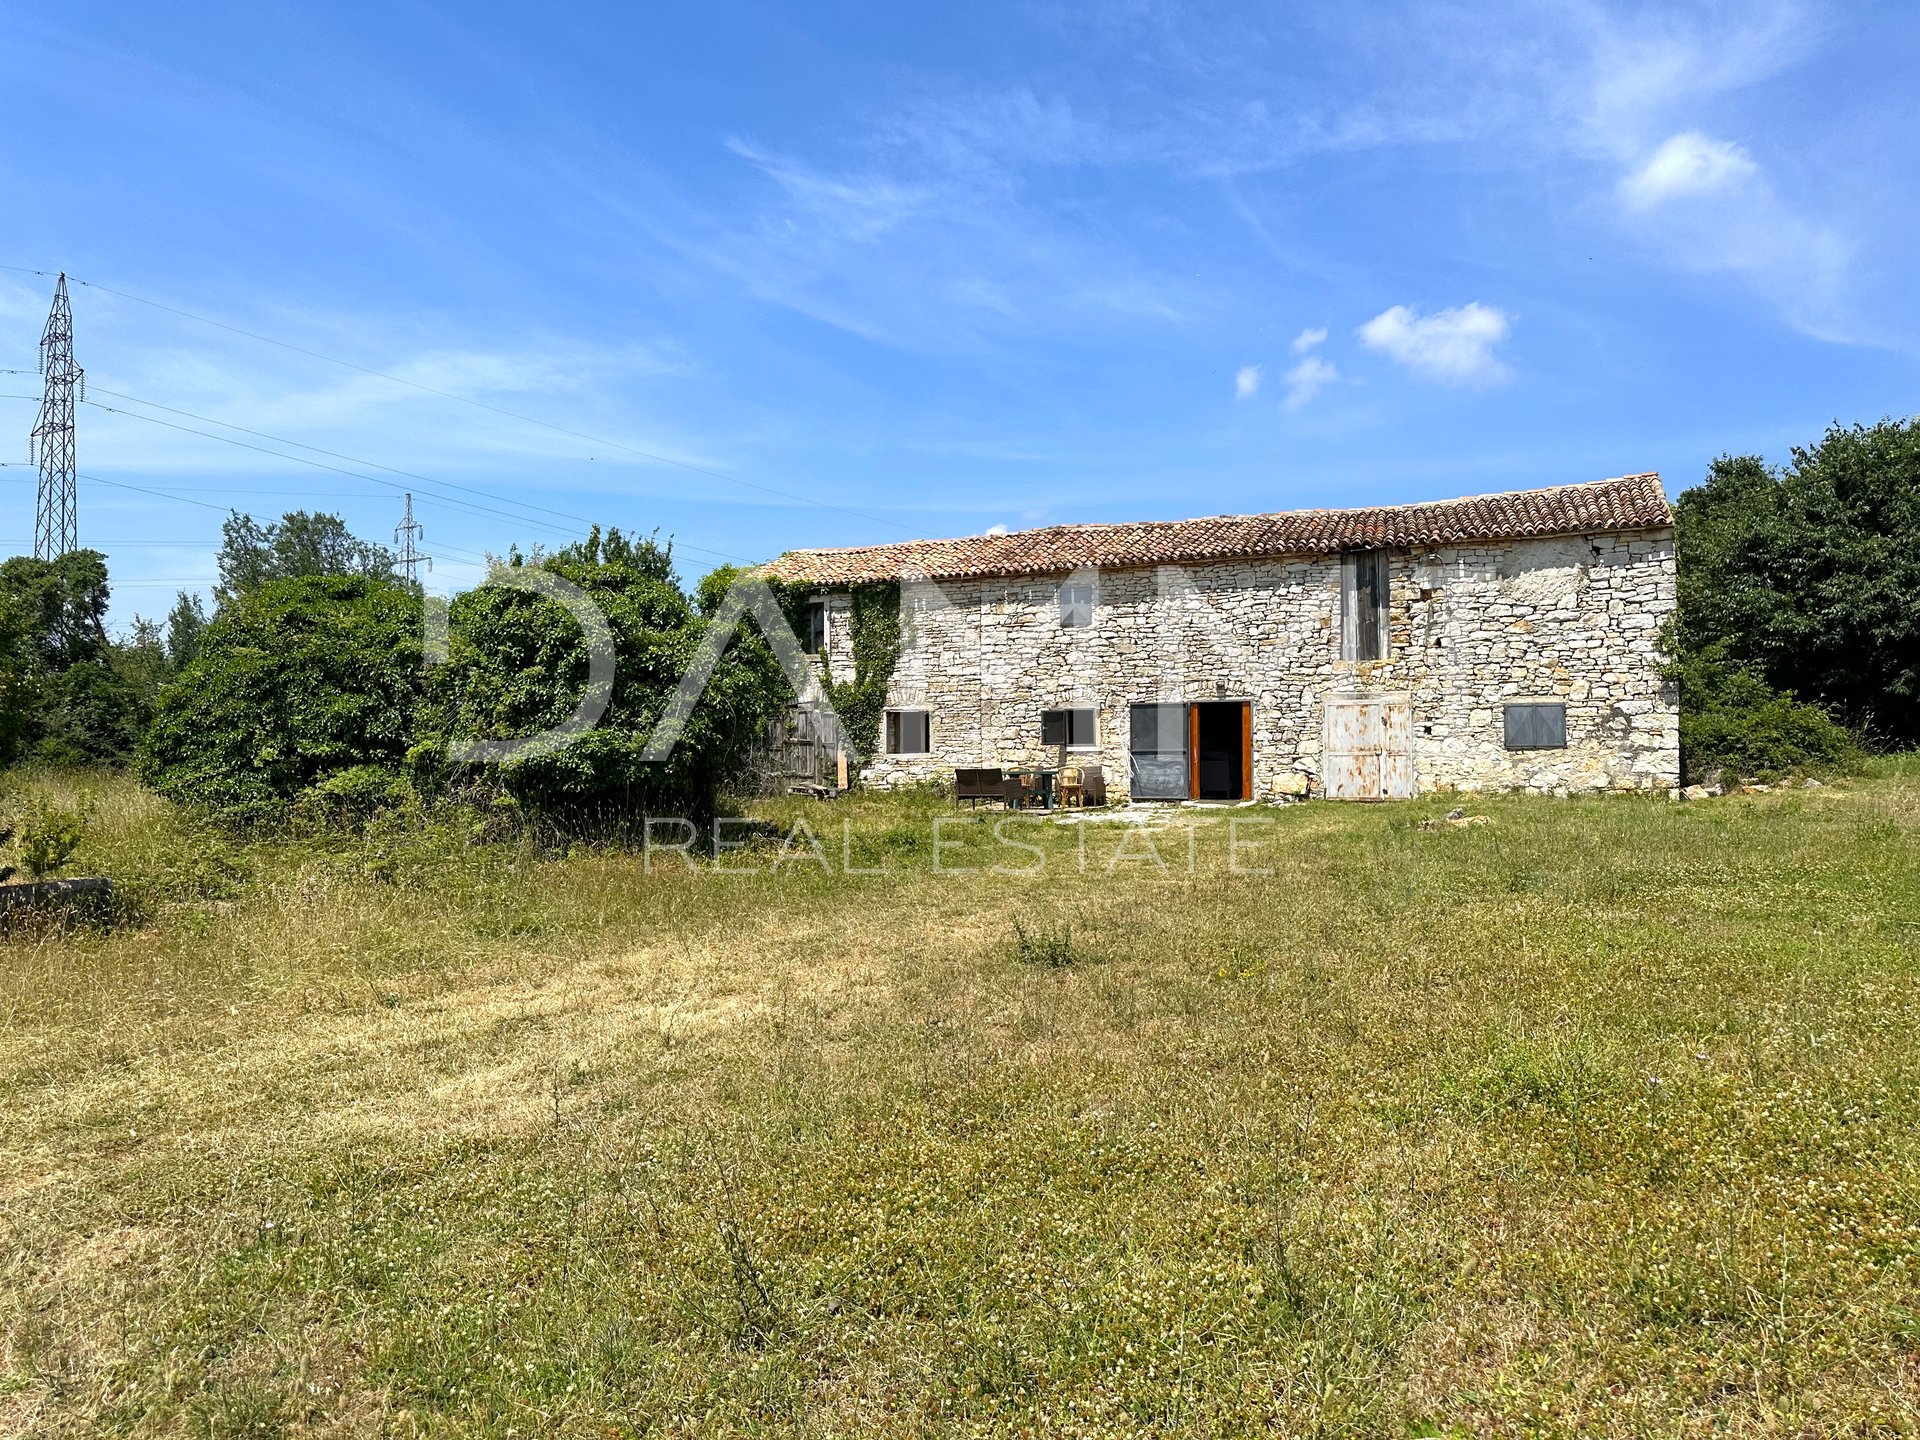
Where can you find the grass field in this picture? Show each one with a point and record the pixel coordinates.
(1601, 1118)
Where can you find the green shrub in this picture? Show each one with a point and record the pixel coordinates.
(1050, 947)
(517, 664)
(357, 793)
(293, 683)
(1732, 721)
(47, 836)
(312, 691)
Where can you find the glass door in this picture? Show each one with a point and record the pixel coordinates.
(1157, 766)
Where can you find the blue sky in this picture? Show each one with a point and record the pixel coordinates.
(868, 272)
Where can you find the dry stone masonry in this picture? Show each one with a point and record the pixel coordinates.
(1569, 619)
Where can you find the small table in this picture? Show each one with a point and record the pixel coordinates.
(1046, 779)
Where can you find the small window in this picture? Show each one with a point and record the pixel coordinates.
(907, 732)
(1537, 727)
(813, 633)
(1071, 728)
(1364, 578)
(1076, 607)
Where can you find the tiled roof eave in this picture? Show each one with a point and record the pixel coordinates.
(1632, 504)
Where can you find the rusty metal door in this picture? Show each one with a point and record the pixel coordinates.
(1369, 749)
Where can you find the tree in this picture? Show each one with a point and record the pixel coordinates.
(302, 544)
(315, 684)
(294, 682)
(518, 662)
(65, 697)
(1809, 577)
(185, 623)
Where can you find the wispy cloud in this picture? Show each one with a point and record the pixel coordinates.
(1708, 206)
(1246, 382)
(1308, 339)
(1453, 346)
(1688, 164)
(1308, 379)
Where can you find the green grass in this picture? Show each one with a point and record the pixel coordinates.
(1600, 1119)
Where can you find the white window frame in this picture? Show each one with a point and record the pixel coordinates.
(1069, 711)
(1075, 597)
(890, 727)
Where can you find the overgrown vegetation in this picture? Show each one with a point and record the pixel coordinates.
(69, 695)
(860, 700)
(1601, 1118)
(518, 663)
(1800, 603)
(312, 692)
(292, 684)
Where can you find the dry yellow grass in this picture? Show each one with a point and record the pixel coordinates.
(1598, 1119)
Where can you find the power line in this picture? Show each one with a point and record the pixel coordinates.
(466, 505)
(336, 455)
(483, 405)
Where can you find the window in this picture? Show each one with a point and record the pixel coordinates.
(1363, 605)
(1071, 728)
(813, 637)
(1537, 727)
(907, 732)
(1076, 607)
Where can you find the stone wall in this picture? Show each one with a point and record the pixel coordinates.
(1472, 628)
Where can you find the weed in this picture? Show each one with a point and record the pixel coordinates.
(1048, 947)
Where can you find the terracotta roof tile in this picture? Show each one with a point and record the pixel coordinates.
(1633, 502)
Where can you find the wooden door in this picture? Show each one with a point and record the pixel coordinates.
(1369, 749)
(1246, 751)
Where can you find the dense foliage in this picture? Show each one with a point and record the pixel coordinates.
(315, 689)
(293, 683)
(302, 543)
(1806, 580)
(518, 662)
(68, 694)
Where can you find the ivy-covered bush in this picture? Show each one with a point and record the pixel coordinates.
(313, 692)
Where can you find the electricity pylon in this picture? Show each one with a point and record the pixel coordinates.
(407, 535)
(56, 517)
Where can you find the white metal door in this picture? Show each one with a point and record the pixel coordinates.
(1369, 750)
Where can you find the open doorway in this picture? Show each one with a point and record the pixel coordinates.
(1222, 750)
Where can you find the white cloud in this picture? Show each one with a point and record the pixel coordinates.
(1246, 382)
(1308, 379)
(1688, 164)
(1706, 205)
(1307, 339)
(997, 530)
(1453, 346)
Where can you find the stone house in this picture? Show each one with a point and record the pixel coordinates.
(1497, 642)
